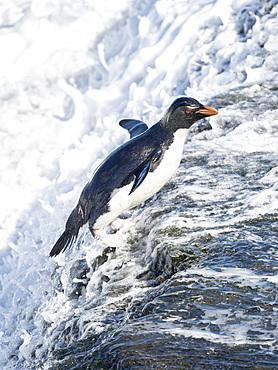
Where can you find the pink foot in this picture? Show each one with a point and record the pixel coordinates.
(120, 223)
(111, 240)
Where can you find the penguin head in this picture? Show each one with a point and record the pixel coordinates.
(183, 112)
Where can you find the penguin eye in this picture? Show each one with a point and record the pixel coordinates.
(187, 111)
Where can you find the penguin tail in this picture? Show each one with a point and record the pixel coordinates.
(65, 240)
(74, 223)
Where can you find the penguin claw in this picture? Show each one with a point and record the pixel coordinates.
(120, 223)
(111, 240)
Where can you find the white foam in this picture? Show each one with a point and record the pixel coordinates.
(69, 72)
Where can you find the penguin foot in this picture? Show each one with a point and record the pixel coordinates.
(120, 223)
(111, 240)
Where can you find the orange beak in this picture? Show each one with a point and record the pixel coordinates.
(208, 111)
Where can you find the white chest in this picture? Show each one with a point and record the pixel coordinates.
(155, 180)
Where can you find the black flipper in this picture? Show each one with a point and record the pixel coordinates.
(74, 222)
(133, 126)
(140, 174)
(142, 171)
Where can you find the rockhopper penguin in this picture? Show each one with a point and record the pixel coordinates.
(135, 170)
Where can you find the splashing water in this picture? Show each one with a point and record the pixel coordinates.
(194, 283)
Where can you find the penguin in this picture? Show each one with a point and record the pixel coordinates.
(135, 170)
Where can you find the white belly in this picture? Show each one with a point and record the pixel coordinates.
(121, 200)
(155, 180)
